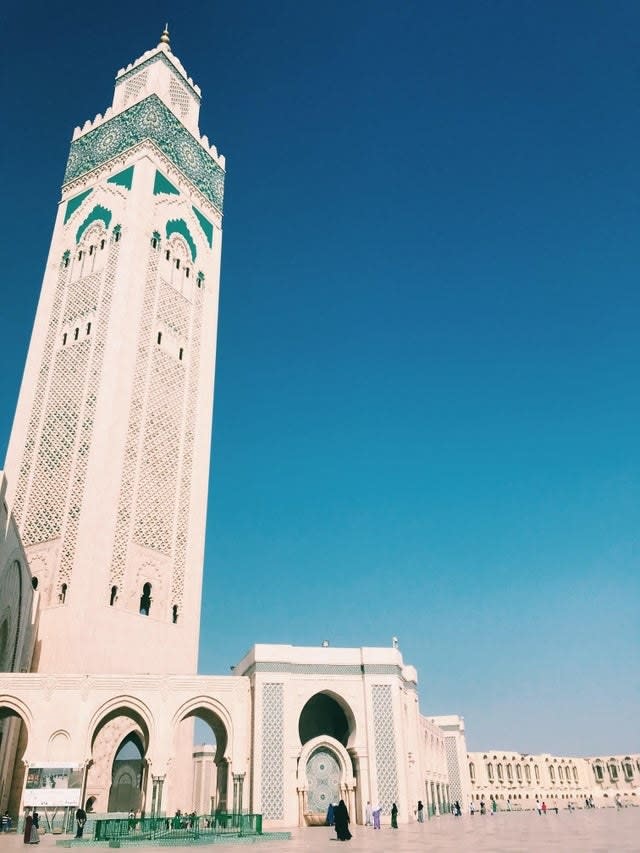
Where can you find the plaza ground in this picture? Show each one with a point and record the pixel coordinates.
(591, 831)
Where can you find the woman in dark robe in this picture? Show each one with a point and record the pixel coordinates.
(394, 816)
(341, 820)
(28, 823)
(35, 826)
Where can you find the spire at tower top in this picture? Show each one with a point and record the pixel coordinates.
(164, 38)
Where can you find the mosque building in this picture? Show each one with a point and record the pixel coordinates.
(102, 525)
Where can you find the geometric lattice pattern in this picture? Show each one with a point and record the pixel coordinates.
(98, 339)
(186, 468)
(39, 399)
(136, 412)
(149, 120)
(53, 471)
(323, 780)
(453, 768)
(157, 57)
(155, 492)
(272, 751)
(134, 86)
(160, 457)
(384, 734)
(181, 99)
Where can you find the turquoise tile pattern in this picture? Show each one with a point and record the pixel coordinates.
(149, 120)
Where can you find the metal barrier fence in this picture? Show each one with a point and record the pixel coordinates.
(180, 827)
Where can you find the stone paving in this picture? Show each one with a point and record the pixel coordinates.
(590, 831)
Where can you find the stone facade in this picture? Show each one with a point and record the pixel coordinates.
(102, 520)
(520, 778)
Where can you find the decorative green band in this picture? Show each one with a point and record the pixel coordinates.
(98, 213)
(179, 226)
(149, 119)
(163, 185)
(159, 57)
(74, 203)
(122, 179)
(206, 226)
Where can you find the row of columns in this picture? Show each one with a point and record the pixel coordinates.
(347, 793)
(437, 794)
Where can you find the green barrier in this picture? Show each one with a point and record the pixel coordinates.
(179, 828)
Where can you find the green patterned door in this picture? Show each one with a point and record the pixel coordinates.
(323, 780)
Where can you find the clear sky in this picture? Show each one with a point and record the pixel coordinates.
(427, 391)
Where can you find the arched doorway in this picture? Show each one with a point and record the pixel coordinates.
(14, 738)
(127, 771)
(326, 773)
(118, 771)
(201, 779)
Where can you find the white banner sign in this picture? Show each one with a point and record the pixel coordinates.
(49, 785)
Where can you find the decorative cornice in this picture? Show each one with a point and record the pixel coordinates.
(159, 57)
(326, 669)
(149, 120)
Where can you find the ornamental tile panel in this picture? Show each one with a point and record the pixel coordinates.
(453, 769)
(148, 120)
(385, 745)
(273, 751)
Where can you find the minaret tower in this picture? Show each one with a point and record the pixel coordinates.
(108, 459)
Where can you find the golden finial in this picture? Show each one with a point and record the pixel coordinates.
(164, 38)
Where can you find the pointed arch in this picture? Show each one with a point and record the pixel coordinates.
(179, 226)
(98, 213)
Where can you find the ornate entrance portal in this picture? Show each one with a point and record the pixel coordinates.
(323, 780)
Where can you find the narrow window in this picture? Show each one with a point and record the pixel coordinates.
(159, 337)
(181, 353)
(89, 328)
(80, 255)
(34, 582)
(63, 593)
(64, 339)
(91, 250)
(177, 263)
(66, 260)
(114, 595)
(102, 242)
(175, 614)
(116, 236)
(552, 774)
(186, 272)
(154, 243)
(76, 333)
(167, 254)
(145, 600)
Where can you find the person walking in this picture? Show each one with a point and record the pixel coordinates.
(376, 816)
(35, 825)
(368, 814)
(544, 807)
(394, 816)
(341, 820)
(539, 806)
(81, 819)
(420, 812)
(28, 823)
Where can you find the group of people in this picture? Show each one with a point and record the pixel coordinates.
(31, 827)
(338, 817)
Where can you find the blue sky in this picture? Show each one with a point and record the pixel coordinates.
(427, 391)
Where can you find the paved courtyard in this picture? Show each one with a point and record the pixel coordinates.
(597, 831)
